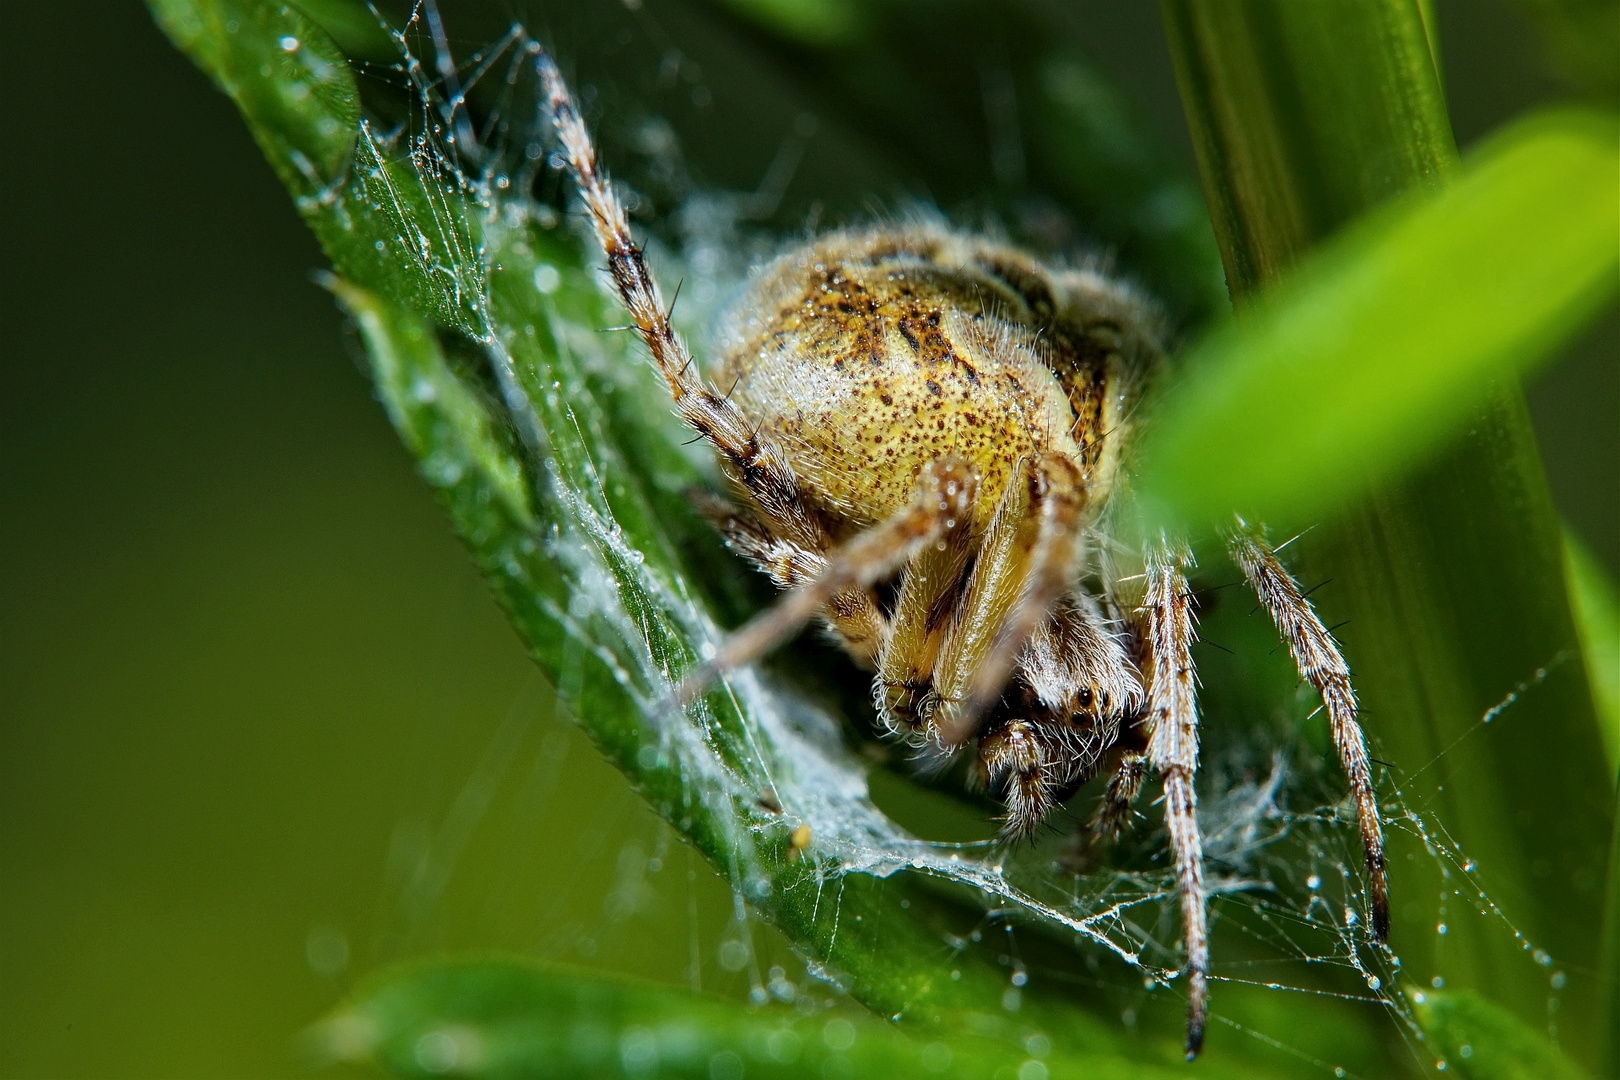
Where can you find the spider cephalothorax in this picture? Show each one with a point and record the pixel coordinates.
(943, 413)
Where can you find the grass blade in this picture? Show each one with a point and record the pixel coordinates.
(1304, 116)
(1597, 618)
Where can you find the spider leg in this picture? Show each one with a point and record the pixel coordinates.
(1173, 751)
(754, 462)
(1320, 663)
(1123, 787)
(944, 496)
(923, 608)
(853, 614)
(1130, 769)
(1023, 762)
(1025, 564)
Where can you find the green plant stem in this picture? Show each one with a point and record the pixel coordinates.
(1304, 116)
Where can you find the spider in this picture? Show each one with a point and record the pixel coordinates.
(924, 434)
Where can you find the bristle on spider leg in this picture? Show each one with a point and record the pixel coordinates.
(1018, 764)
(1320, 662)
(944, 495)
(1058, 499)
(1173, 751)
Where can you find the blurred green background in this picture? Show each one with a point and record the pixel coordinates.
(262, 727)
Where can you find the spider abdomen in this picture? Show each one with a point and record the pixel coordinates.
(868, 355)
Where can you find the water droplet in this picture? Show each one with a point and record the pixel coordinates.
(1438, 983)
(1440, 929)
(288, 44)
(838, 1034)
(733, 955)
(1559, 980)
(1373, 982)
(726, 1065)
(1313, 883)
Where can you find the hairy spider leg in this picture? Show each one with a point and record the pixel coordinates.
(851, 614)
(1119, 799)
(756, 463)
(1316, 654)
(944, 497)
(1123, 787)
(923, 612)
(1173, 752)
(1028, 546)
(1060, 494)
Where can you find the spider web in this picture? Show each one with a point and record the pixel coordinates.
(1283, 855)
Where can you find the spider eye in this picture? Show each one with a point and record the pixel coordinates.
(1082, 697)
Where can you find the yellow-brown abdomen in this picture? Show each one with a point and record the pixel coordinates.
(869, 354)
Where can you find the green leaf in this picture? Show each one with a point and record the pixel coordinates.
(1480, 1041)
(387, 215)
(1387, 340)
(512, 1018)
